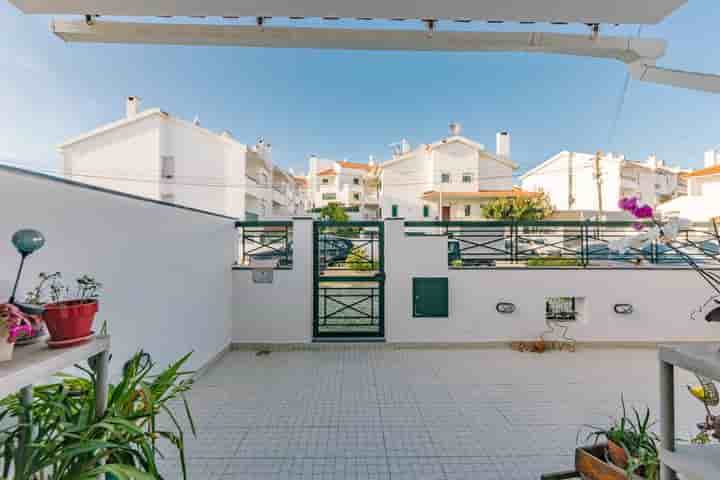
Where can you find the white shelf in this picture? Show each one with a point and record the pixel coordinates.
(696, 462)
(701, 358)
(37, 363)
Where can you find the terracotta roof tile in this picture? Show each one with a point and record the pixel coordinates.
(714, 170)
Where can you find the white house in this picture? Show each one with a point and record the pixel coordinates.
(570, 181)
(450, 179)
(703, 200)
(154, 154)
(350, 184)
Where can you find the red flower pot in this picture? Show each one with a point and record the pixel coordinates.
(70, 319)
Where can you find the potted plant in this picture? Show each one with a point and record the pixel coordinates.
(70, 313)
(629, 449)
(13, 323)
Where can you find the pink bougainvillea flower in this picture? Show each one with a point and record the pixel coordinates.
(644, 211)
(15, 321)
(628, 204)
(638, 226)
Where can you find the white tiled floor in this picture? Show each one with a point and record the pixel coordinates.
(381, 413)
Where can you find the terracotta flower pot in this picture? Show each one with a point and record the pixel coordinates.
(70, 319)
(617, 454)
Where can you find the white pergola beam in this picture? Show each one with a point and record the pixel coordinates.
(571, 11)
(705, 82)
(623, 49)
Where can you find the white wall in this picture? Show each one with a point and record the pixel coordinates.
(280, 312)
(166, 270)
(663, 299)
(125, 159)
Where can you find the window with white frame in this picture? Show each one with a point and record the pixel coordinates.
(167, 167)
(325, 181)
(356, 196)
(445, 177)
(467, 178)
(356, 181)
(468, 210)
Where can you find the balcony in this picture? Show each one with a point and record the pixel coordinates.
(271, 403)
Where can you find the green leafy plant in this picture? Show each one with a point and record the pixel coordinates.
(334, 212)
(51, 289)
(519, 208)
(358, 260)
(68, 440)
(634, 434)
(553, 262)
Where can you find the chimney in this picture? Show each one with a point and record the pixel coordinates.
(654, 162)
(371, 160)
(502, 142)
(712, 158)
(455, 129)
(132, 106)
(404, 146)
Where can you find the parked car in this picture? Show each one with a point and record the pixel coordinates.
(332, 250)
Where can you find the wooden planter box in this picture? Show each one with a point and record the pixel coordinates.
(591, 465)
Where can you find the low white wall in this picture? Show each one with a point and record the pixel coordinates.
(662, 299)
(166, 270)
(279, 312)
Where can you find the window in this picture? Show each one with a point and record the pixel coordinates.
(467, 210)
(561, 309)
(329, 196)
(444, 178)
(394, 210)
(167, 167)
(325, 181)
(356, 196)
(426, 211)
(356, 181)
(467, 178)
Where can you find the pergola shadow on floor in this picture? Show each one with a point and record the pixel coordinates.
(377, 412)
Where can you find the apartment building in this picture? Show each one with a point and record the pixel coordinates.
(570, 179)
(157, 155)
(450, 179)
(352, 185)
(703, 199)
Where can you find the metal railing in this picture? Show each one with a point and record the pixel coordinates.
(556, 244)
(265, 241)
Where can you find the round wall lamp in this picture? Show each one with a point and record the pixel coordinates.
(505, 307)
(623, 308)
(26, 241)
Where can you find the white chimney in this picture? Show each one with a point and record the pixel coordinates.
(712, 158)
(371, 160)
(654, 162)
(132, 106)
(455, 129)
(502, 142)
(404, 146)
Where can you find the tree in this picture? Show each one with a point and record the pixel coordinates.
(519, 208)
(333, 212)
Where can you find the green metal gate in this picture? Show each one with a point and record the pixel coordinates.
(348, 280)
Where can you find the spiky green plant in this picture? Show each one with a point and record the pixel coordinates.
(69, 441)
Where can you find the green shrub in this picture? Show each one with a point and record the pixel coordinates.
(359, 261)
(553, 262)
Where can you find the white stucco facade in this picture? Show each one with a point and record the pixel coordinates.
(156, 155)
(349, 184)
(569, 179)
(454, 173)
(703, 200)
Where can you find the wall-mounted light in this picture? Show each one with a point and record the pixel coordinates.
(505, 307)
(623, 308)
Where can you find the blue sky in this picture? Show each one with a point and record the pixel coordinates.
(353, 104)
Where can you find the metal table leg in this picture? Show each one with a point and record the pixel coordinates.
(100, 365)
(667, 415)
(26, 398)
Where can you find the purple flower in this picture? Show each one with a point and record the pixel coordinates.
(628, 204)
(638, 226)
(645, 211)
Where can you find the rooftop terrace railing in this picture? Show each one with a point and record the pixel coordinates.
(265, 241)
(561, 244)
